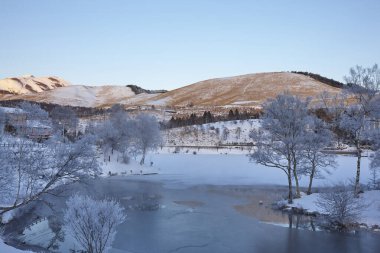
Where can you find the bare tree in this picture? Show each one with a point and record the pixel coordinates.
(355, 120)
(315, 139)
(340, 207)
(39, 169)
(146, 134)
(93, 222)
(279, 139)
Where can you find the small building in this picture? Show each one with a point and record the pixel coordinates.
(18, 122)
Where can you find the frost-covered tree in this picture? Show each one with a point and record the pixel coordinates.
(93, 222)
(364, 84)
(33, 170)
(34, 111)
(64, 119)
(355, 121)
(116, 132)
(314, 160)
(146, 134)
(279, 139)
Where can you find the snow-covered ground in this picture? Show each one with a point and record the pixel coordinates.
(211, 134)
(371, 200)
(114, 166)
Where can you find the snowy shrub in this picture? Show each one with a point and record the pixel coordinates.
(340, 207)
(93, 222)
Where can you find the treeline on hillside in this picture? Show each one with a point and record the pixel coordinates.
(138, 90)
(322, 79)
(208, 117)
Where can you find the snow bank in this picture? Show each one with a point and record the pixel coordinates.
(369, 216)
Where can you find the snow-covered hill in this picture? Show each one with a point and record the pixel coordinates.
(87, 96)
(30, 84)
(238, 91)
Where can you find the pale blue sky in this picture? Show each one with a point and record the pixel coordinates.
(168, 44)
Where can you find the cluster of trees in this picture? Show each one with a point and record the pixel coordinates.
(208, 117)
(293, 139)
(127, 135)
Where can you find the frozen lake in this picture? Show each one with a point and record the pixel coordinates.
(219, 169)
(210, 203)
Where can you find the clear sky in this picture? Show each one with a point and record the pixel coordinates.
(168, 44)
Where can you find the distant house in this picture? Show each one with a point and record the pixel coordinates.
(18, 122)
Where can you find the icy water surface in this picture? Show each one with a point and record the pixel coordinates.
(194, 206)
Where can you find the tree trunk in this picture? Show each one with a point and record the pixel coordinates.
(311, 179)
(357, 179)
(298, 193)
(290, 191)
(143, 157)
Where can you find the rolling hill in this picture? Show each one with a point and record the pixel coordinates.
(244, 90)
(247, 90)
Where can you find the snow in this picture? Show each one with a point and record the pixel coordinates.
(370, 215)
(116, 167)
(18, 85)
(7, 216)
(90, 96)
(4, 248)
(160, 102)
(38, 234)
(243, 102)
(11, 110)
